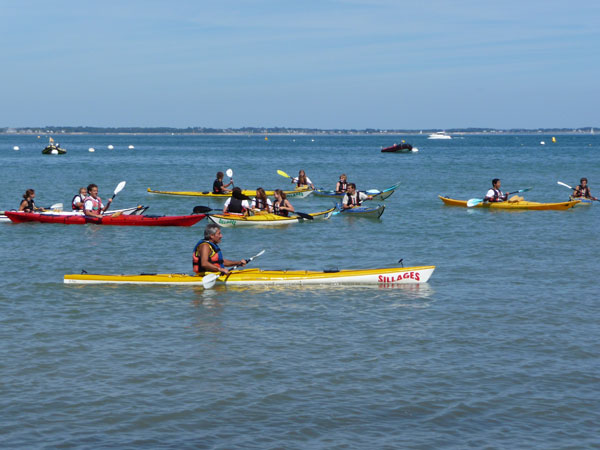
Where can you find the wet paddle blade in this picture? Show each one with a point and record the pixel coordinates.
(283, 174)
(208, 281)
(229, 173)
(120, 187)
(474, 202)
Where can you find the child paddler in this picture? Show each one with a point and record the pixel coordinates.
(208, 256)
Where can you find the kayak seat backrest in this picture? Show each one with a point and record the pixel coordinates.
(331, 270)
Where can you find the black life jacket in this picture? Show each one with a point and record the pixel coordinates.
(343, 186)
(217, 187)
(215, 256)
(235, 206)
(582, 192)
(30, 205)
(354, 200)
(278, 211)
(260, 204)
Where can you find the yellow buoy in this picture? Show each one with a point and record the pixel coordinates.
(266, 138)
(553, 139)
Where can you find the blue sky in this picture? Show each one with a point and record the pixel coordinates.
(319, 64)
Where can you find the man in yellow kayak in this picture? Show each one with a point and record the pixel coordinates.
(208, 256)
(494, 194)
(583, 191)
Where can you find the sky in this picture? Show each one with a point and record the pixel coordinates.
(349, 64)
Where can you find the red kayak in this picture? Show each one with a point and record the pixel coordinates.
(123, 220)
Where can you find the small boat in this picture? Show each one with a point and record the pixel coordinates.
(264, 219)
(582, 201)
(54, 149)
(134, 211)
(439, 135)
(398, 148)
(296, 193)
(512, 205)
(375, 193)
(383, 277)
(116, 219)
(373, 212)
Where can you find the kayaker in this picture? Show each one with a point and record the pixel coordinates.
(495, 194)
(281, 205)
(582, 190)
(353, 198)
(342, 185)
(93, 206)
(79, 199)
(208, 256)
(302, 181)
(219, 187)
(237, 203)
(28, 202)
(261, 202)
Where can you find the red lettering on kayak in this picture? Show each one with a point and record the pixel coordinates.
(417, 276)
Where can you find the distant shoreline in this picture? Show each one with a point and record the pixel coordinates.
(587, 131)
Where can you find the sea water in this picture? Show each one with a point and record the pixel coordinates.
(499, 349)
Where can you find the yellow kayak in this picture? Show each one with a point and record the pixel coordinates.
(512, 205)
(296, 193)
(384, 277)
(264, 219)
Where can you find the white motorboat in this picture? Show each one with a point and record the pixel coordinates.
(439, 135)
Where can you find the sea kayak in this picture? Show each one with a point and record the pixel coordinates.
(374, 212)
(136, 210)
(296, 193)
(265, 219)
(386, 276)
(375, 193)
(512, 205)
(121, 220)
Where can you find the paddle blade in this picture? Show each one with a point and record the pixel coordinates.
(201, 209)
(283, 174)
(58, 206)
(522, 190)
(564, 184)
(209, 280)
(304, 215)
(120, 187)
(474, 202)
(373, 192)
(229, 173)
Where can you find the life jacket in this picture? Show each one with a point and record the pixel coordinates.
(215, 255)
(278, 211)
(582, 192)
(498, 196)
(74, 207)
(235, 206)
(301, 184)
(217, 187)
(260, 204)
(354, 200)
(96, 204)
(30, 205)
(343, 186)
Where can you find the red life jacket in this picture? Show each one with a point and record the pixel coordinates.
(96, 204)
(215, 255)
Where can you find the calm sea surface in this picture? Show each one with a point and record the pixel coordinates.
(499, 350)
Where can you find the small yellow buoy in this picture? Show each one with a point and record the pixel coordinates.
(266, 138)
(553, 139)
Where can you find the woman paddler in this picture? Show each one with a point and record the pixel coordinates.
(28, 202)
(342, 185)
(208, 256)
(261, 202)
(281, 205)
(237, 203)
(302, 181)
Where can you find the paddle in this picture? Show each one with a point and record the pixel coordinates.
(476, 201)
(229, 173)
(566, 185)
(208, 281)
(118, 189)
(205, 209)
(283, 174)
(55, 206)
